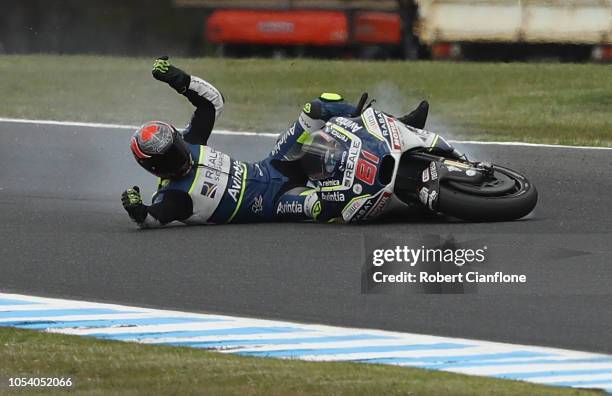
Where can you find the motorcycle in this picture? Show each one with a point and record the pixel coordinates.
(372, 163)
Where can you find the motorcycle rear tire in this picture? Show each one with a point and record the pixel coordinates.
(483, 207)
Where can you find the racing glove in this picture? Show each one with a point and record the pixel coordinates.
(173, 76)
(132, 203)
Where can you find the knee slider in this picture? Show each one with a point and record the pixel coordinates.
(312, 206)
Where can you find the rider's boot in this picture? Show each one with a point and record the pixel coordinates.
(417, 117)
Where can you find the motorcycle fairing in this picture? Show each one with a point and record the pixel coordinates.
(360, 185)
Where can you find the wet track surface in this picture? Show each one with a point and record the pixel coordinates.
(63, 233)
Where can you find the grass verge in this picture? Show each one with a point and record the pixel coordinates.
(111, 367)
(551, 103)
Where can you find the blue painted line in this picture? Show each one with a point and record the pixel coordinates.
(10, 301)
(362, 349)
(59, 312)
(303, 345)
(268, 341)
(451, 359)
(554, 373)
(47, 324)
(196, 333)
(578, 383)
(537, 361)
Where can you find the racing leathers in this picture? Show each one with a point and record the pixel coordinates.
(219, 189)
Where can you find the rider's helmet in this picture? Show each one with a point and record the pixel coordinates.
(321, 155)
(159, 148)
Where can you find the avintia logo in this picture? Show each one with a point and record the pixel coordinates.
(289, 207)
(236, 182)
(333, 196)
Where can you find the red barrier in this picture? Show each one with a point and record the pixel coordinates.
(318, 28)
(378, 28)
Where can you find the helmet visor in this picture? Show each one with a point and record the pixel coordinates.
(175, 162)
(321, 155)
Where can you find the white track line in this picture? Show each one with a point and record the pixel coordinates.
(122, 126)
(523, 144)
(274, 135)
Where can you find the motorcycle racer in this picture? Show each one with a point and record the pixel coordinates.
(200, 185)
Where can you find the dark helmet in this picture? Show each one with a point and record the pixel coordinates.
(159, 148)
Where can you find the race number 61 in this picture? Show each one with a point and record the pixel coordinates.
(366, 171)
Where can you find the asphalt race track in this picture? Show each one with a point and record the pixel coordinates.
(64, 233)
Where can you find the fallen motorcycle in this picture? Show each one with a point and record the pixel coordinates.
(373, 164)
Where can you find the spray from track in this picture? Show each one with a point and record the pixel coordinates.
(390, 99)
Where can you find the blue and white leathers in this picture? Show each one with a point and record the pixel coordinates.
(225, 190)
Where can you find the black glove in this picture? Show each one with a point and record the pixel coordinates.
(132, 203)
(175, 77)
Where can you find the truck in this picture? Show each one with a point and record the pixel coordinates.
(572, 30)
(566, 30)
(363, 34)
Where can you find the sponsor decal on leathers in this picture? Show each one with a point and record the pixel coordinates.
(212, 175)
(330, 183)
(289, 207)
(259, 169)
(217, 160)
(333, 196)
(209, 189)
(282, 140)
(257, 206)
(215, 164)
(236, 182)
(338, 135)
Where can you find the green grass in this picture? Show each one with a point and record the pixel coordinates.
(567, 104)
(552, 103)
(110, 367)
